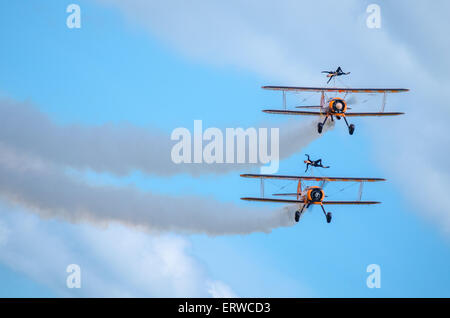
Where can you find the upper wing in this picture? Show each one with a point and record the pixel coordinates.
(350, 202)
(292, 112)
(336, 89)
(311, 178)
(372, 114)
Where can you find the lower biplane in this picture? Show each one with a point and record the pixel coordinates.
(335, 107)
(309, 195)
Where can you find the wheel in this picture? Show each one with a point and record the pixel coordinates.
(351, 129)
(338, 117)
(297, 216)
(319, 128)
(329, 217)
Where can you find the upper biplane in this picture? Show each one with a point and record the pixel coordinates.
(309, 195)
(335, 106)
(331, 74)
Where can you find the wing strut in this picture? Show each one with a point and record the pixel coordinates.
(383, 105)
(361, 184)
(299, 188)
(284, 99)
(262, 187)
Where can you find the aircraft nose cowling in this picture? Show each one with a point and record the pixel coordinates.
(316, 195)
(339, 106)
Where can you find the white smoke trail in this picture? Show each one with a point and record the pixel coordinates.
(47, 190)
(119, 149)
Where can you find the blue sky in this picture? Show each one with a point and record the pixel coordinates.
(115, 70)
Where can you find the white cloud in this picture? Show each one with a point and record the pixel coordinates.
(218, 289)
(115, 261)
(4, 233)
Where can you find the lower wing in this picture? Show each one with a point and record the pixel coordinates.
(310, 107)
(304, 113)
(273, 200)
(293, 112)
(301, 201)
(350, 202)
(372, 114)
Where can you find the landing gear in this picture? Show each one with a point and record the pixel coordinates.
(320, 125)
(351, 128)
(319, 128)
(328, 215)
(297, 216)
(298, 213)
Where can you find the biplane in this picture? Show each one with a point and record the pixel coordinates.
(335, 107)
(338, 72)
(309, 195)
